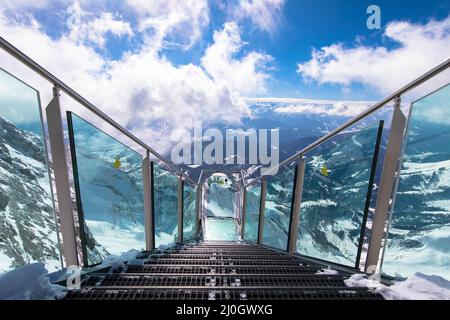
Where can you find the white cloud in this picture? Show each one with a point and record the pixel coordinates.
(336, 109)
(143, 91)
(85, 26)
(264, 14)
(172, 22)
(24, 4)
(247, 75)
(420, 47)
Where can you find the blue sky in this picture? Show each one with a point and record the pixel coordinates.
(156, 66)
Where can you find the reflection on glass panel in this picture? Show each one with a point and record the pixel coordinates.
(220, 193)
(189, 211)
(108, 177)
(252, 200)
(419, 237)
(277, 213)
(165, 193)
(28, 231)
(336, 182)
(218, 229)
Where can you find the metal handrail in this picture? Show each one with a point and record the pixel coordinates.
(30, 63)
(426, 76)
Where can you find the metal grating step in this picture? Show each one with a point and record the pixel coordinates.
(193, 281)
(222, 257)
(238, 270)
(228, 294)
(208, 262)
(220, 271)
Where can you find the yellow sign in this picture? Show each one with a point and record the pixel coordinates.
(117, 163)
(324, 170)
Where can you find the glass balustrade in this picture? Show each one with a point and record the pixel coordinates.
(109, 187)
(221, 229)
(252, 205)
(189, 211)
(165, 197)
(277, 212)
(419, 235)
(28, 231)
(336, 187)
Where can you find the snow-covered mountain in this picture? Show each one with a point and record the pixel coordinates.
(27, 223)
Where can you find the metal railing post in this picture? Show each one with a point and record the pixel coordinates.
(244, 212)
(387, 183)
(148, 207)
(198, 210)
(262, 207)
(63, 194)
(180, 208)
(295, 216)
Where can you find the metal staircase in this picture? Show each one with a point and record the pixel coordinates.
(219, 271)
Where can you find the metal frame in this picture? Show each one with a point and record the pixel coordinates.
(369, 193)
(244, 212)
(152, 197)
(295, 211)
(148, 203)
(62, 183)
(387, 183)
(180, 200)
(198, 207)
(76, 182)
(262, 208)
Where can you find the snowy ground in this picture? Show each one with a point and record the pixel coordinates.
(32, 282)
(417, 287)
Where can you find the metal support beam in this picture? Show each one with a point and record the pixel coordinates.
(148, 207)
(262, 207)
(244, 200)
(59, 159)
(295, 216)
(198, 210)
(387, 183)
(180, 208)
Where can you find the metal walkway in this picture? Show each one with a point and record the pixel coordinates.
(219, 271)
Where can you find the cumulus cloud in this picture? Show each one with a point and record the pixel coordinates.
(247, 75)
(142, 90)
(264, 14)
(85, 26)
(172, 22)
(419, 48)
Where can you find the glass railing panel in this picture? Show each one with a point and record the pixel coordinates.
(220, 196)
(221, 229)
(252, 204)
(419, 236)
(165, 195)
(336, 186)
(189, 211)
(277, 213)
(28, 231)
(109, 186)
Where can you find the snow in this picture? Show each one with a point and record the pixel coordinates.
(417, 287)
(327, 271)
(30, 282)
(433, 257)
(118, 261)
